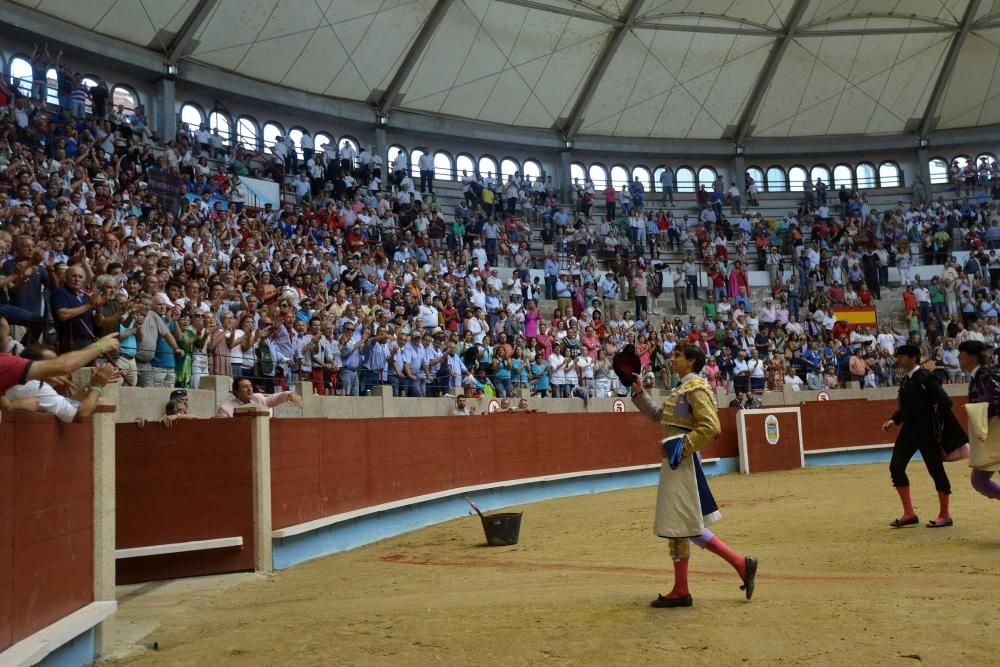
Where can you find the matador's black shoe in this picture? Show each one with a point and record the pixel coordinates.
(750, 580)
(662, 602)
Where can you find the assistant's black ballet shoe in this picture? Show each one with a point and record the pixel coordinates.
(750, 580)
(662, 602)
(912, 521)
(945, 523)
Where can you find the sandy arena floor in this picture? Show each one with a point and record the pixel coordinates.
(836, 586)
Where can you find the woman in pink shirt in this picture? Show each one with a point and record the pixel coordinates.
(590, 342)
(544, 341)
(643, 351)
(531, 320)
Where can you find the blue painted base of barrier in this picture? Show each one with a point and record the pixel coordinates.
(76, 653)
(290, 551)
(850, 458)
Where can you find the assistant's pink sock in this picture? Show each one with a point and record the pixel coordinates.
(943, 499)
(680, 588)
(722, 550)
(904, 496)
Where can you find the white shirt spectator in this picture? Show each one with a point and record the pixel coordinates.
(63, 408)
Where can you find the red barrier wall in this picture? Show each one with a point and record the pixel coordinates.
(829, 424)
(324, 467)
(785, 454)
(191, 482)
(46, 522)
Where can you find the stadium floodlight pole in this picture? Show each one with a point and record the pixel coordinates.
(929, 120)
(766, 74)
(570, 125)
(180, 45)
(384, 101)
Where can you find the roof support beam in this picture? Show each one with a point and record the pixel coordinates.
(571, 124)
(707, 29)
(915, 30)
(564, 11)
(766, 75)
(929, 120)
(180, 46)
(389, 97)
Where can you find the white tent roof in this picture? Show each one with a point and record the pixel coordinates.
(705, 69)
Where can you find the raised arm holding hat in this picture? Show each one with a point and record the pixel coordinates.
(684, 503)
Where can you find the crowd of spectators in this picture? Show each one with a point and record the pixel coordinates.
(361, 278)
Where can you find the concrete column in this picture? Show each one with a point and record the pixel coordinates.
(379, 147)
(260, 435)
(164, 110)
(103, 424)
(220, 385)
(923, 169)
(564, 178)
(739, 175)
(310, 401)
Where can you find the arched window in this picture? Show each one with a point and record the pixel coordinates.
(52, 76)
(796, 176)
(392, 154)
(707, 176)
(642, 173)
(509, 167)
(889, 175)
(843, 176)
(577, 173)
(488, 166)
(321, 140)
(465, 166)
(938, 168)
(822, 172)
(776, 179)
(984, 161)
(247, 133)
(657, 187)
(271, 132)
(685, 180)
(192, 116)
(220, 120)
(532, 169)
(20, 74)
(125, 97)
(415, 156)
(598, 176)
(865, 173)
(350, 141)
(619, 176)
(962, 160)
(443, 168)
(296, 134)
(757, 174)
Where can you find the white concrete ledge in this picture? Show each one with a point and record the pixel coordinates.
(316, 524)
(179, 547)
(33, 649)
(834, 450)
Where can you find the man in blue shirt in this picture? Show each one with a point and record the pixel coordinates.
(27, 293)
(73, 311)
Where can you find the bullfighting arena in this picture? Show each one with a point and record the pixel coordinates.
(835, 586)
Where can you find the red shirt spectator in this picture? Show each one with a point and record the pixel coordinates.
(13, 371)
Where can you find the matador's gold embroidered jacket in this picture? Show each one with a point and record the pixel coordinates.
(689, 409)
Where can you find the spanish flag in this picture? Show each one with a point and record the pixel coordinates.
(861, 316)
